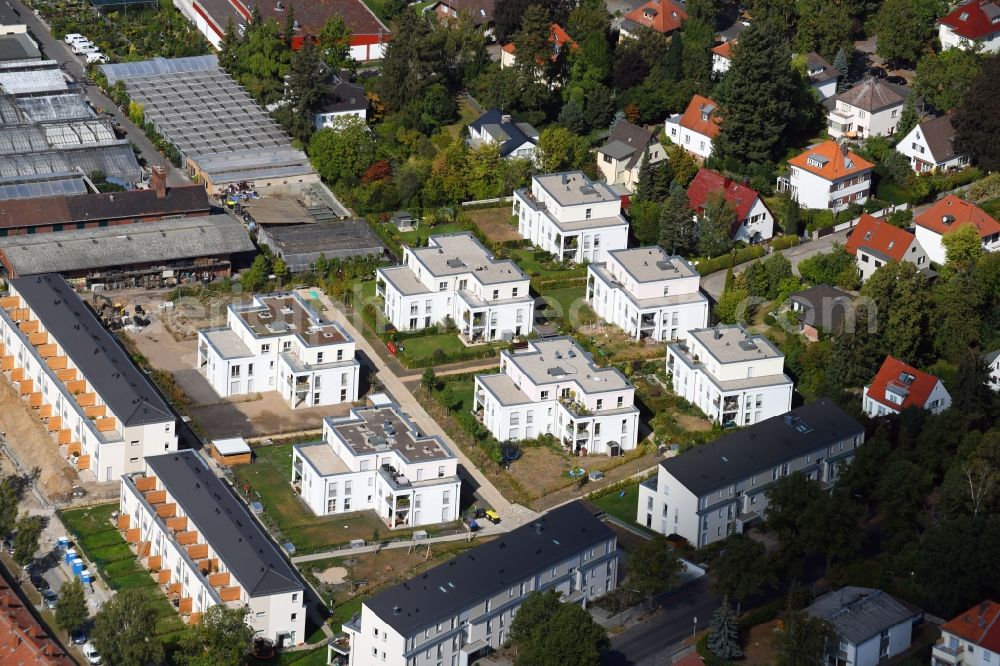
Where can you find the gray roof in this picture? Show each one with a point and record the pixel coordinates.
(380, 428)
(939, 134)
(573, 188)
(873, 95)
(601, 272)
(989, 357)
(562, 359)
(18, 47)
(762, 446)
(653, 264)
(819, 70)
(506, 131)
(734, 344)
(124, 245)
(98, 355)
(301, 245)
(31, 76)
(504, 389)
(228, 527)
(860, 613)
(487, 569)
(404, 280)
(825, 306)
(461, 253)
(627, 140)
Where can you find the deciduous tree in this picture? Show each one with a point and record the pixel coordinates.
(221, 638)
(125, 630)
(743, 569)
(943, 79)
(823, 26)
(654, 567)
(334, 43)
(905, 27)
(342, 152)
(715, 226)
(71, 609)
(977, 122)
(803, 641)
(560, 149)
(29, 529)
(547, 631)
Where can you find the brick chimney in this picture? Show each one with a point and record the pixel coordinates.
(158, 181)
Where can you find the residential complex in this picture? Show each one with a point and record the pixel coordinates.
(461, 610)
(621, 156)
(571, 216)
(205, 547)
(717, 489)
(733, 376)
(948, 214)
(897, 386)
(870, 626)
(277, 342)
(971, 24)
(754, 221)
(828, 176)
(871, 108)
(455, 278)
(930, 146)
(554, 387)
(696, 128)
(376, 459)
(103, 412)
(647, 293)
(875, 242)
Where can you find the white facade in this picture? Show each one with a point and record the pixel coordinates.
(954, 649)
(915, 147)
(817, 192)
(571, 216)
(647, 293)
(757, 226)
(327, 118)
(277, 342)
(931, 242)
(690, 140)
(103, 413)
(720, 64)
(848, 120)
(554, 387)
(455, 277)
(198, 18)
(734, 377)
(938, 400)
(952, 40)
(992, 361)
(878, 648)
(172, 522)
(375, 459)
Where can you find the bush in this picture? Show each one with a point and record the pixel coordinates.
(784, 242)
(708, 266)
(987, 188)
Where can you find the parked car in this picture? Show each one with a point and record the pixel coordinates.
(97, 57)
(91, 654)
(877, 72)
(493, 516)
(74, 37)
(39, 582)
(50, 599)
(897, 80)
(83, 48)
(78, 637)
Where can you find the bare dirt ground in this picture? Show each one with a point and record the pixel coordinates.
(495, 223)
(693, 423)
(31, 443)
(332, 576)
(760, 645)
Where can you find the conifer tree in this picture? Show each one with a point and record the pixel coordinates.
(723, 639)
(842, 65)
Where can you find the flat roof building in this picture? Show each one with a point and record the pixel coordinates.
(301, 245)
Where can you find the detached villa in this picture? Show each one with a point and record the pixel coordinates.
(874, 243)
(931, 146)
(951, 213)
(972, 23)
(828, 176)
(696, 128)
(647, 293)
(571, 216)
(871, 108)
(620, 158)
(376, 459)
(515, 139)
(455, 277)
(897, 386)
(279, 343)
(754, 222)
(554, 387)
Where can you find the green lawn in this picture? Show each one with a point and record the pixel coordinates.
(889, 190)
(419, 352)
(418, 236)
(315, 657)
(621, 504)
(525, 258)
(566, 298)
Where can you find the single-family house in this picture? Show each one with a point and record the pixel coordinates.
(620, 157)
(828, 176)
(754, 222)
(696, 128)
(930, 145)
(823, 76)
(870, 108)
(971, 639)
(480, 12)
(949, 214)
(897, 386)
(344, 99)
(822, 309)
(558, 37)
(972, 23)
(869, 626)
(992, 362)
(875, 242)
(722, 57)
(515, 139)
(663, 16)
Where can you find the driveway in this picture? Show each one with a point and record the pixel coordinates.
(13, 11)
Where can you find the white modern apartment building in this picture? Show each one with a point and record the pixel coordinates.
(717, 489)
(205, 547)
(103, 412)
(375, 459)
(461, 610)
(828, 176)
(454, 276)
(554, 387)
(571, 216)
(735, 377)
(277, 342)
(647, 293)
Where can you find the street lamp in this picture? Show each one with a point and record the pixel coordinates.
(694, 631)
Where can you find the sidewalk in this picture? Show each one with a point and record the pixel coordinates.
(488, 531)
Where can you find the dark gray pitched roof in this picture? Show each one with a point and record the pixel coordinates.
(859, 613)
(761, 447)
(940, 136)
(226, 523)
(509, 133)
(873, 95)
(489, 568)
(819, 69)
(826, 306)
(627, 139)
(94, 350)
(344, 96)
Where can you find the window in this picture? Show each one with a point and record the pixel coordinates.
(442, 286)
(621, 401)
(513, 294)
(265, 348)
(545, 395)
(319, 358)
(234, 371)
(496, 294)
(600, 403)
(446, 497)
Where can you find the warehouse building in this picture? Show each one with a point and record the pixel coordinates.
(103, 411)
(301, 245)
(147, 255)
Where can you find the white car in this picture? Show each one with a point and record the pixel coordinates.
(74, 37)
(84, 49)
(97, 57)
(91, 654)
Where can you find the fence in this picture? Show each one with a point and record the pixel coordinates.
(486, 202)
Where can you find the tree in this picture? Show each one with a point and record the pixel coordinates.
(734, 304)
(977, 123)
(253, 278)
(334, 43)
(786, 517)
(715, 226)
(826, 268)
(560, 150)
(228, 49)
(654, 567)
(970, 392)
(947, 589)
(908, 118)
(842, 64)
(696, 59)
(804, 640)
(904, 28)
(943, 79)
(125, 630)
(724, 637)
(29, 529)
(410, 64)
(305, 89)
(71, 609)
(12, 490)
(221, 638)
(901, 295)
(644, 216)
(683, 165)
(962, 246)
(823, 27)
(552, 632)
(342, 152)
(742, 569)
(507, 18)
(677, 222)
(429, 379)
(955, 316)
(777, 268)
(534, 50)
(534, 612)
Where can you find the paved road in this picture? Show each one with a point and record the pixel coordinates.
(712, 284)
(13, 11)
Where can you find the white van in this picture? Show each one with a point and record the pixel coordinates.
(74, 37)
(83, 48)
(96, 57)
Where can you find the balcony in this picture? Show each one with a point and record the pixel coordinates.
(529, 199)
(943, 654)
(575, 408)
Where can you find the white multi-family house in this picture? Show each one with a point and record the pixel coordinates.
(462, 610)
(205, 547)
(869, 626)
(103, 413)
(514, 139)
(828, 176)
(951, 213)
(647, 293)
(719, 488)
(455, 278)
(733, 376)
(571, 216)
(277, 342)
(875, 242)
(930, 146)
(973, 23)
(696, 128)
(992, 362)
(971, 639)
(375, 459)
(554, 387)
(754, 222)
(871, 108)
(897, 386)
(620, 158)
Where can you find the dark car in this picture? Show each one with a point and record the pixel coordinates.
(897, 80)
(50, 599)
(78, 637)
(877, 72)
(509, 453)
(40, 583)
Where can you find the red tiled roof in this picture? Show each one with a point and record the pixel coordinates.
(663, 16)
(559, 38)
(880, 236)
(977, 22)
(834, 163)
(313, 14)
(725, 49)
(978, 625)
(692, 117)
(960, 212)
(706, 182)
(891, 373)
(22, 639)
